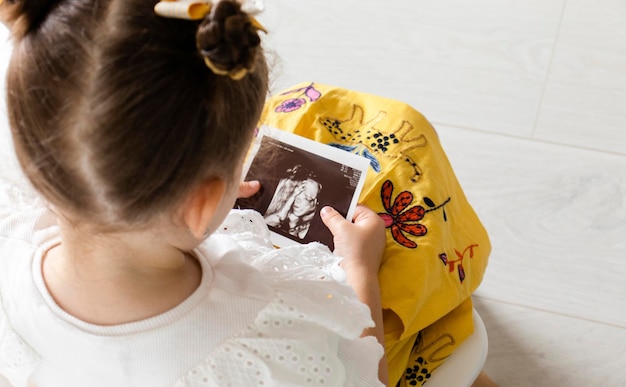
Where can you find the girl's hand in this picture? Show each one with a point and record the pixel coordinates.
(248, 188)
(360, 243)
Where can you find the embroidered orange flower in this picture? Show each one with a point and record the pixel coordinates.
(400, 219)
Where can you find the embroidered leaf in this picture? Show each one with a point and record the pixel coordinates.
(444, 258)
(373, 161)
(313, 94)
(461, 272)
(429, 202)
(445, 217)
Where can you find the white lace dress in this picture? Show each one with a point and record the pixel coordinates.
(260, 317)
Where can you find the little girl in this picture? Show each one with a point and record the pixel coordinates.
(133, 126)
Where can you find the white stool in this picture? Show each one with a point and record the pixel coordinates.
(462, 367)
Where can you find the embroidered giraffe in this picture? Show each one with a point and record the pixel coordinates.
(369, 139)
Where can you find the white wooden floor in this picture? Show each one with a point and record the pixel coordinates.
(529, 98)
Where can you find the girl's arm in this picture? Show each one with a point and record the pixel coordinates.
(361, 245)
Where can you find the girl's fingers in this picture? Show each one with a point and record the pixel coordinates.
(248, 188)
(332, 219)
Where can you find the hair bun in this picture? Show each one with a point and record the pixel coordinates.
(228, 39)
(23, 16)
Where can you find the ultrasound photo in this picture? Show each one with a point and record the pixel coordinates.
(298, 178)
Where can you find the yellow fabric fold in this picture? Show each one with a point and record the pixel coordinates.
(437, 248)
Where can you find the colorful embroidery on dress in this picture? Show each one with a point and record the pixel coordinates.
(402, 220)
(460, 255)
(296, 103)
(364, 138)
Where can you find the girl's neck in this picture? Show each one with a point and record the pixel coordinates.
(116, 278)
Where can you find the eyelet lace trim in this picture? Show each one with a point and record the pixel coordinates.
(294, 340)
(305, 262)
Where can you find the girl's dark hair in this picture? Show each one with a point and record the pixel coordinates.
(114, 115)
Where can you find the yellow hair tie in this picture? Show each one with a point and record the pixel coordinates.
(183, 9)
(197, 10)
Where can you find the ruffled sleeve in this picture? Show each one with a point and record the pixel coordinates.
(307, 335)
(312, 261)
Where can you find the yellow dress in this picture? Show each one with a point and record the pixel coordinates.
(437, 248)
